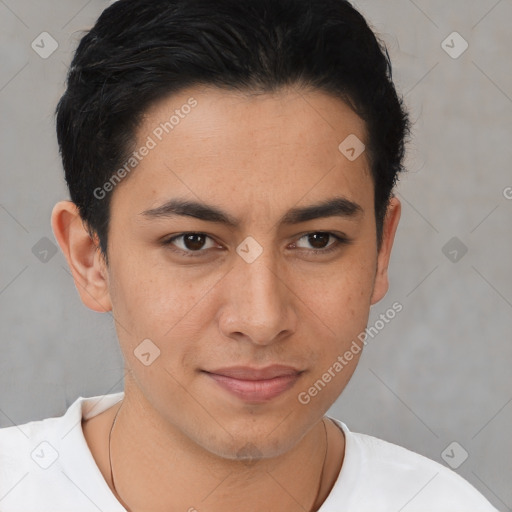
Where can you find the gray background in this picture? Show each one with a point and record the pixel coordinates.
(439, 372)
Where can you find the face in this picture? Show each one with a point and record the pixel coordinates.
(254, 277)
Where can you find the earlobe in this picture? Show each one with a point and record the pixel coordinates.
(389, 227)
(83, 256)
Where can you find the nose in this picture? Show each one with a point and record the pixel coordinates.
(259, 303)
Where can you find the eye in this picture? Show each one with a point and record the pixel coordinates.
(189, 244)
(319, 240)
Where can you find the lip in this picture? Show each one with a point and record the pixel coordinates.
(255, 384)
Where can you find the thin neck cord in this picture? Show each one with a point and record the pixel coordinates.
(319, 483)
(109, 454)
(323, 467)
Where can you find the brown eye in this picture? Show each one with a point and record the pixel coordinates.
(319, 240)
(190, 243)
(194, 241)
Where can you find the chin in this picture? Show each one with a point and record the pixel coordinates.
(262, 441)
(250, 451)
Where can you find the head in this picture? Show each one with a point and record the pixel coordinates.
(231, 124)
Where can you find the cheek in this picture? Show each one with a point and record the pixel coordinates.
(143, 289)
(342, 306)
(341, 296)
(172, 307)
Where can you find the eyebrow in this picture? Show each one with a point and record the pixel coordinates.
(336, 206)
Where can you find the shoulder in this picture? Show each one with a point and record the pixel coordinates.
(391, 477)
(46, 464)
(27, 453)
(20, 444)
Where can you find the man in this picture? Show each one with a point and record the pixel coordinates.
(231, 167)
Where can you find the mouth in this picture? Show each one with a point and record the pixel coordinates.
(255, 385)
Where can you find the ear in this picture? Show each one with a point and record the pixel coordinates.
(82, 253)
(381, 284)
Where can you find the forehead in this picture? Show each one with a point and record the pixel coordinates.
(220, 145)
(225, 119)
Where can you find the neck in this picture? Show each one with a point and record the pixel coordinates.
(191, 478)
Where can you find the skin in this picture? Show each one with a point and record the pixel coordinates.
(254, 157)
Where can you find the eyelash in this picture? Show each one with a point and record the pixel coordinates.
(339, 242)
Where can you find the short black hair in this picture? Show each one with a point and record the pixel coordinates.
(141, 51)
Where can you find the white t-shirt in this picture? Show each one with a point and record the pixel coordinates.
(46, 466)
